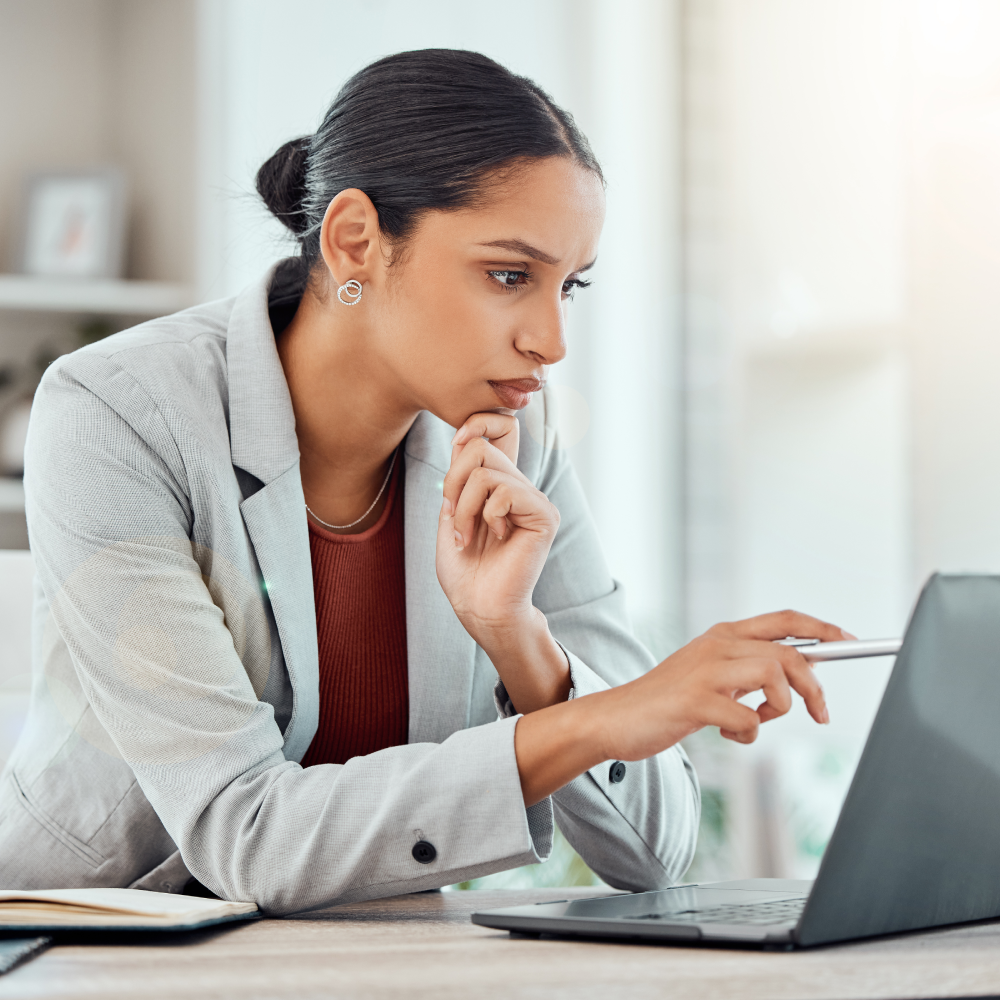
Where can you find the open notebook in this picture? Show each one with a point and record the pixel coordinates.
(113, 909)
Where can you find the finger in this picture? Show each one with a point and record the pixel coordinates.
(446, 525)
(494, 497)
(767, 675)
(781, 624)
(478, 489)
(803, 680)
(477, 453)
(797, 669)
(735, 721)
(498, 505)
(500, 429)
(746, 737)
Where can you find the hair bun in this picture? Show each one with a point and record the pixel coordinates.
(281, 182)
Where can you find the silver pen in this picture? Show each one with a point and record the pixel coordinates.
(850, 649)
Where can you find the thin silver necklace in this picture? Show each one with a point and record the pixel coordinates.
(385, 483)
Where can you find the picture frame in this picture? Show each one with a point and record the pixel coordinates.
(74, 224)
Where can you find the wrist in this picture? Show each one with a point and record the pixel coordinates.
(519, 630)
(557, 744)
(532, 665)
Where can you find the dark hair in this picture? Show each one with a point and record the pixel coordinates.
(416, 131)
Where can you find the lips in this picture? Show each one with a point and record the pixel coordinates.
(515, 393)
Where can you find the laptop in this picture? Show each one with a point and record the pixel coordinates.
(917, 842)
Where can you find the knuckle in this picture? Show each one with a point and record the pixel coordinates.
(790, 658)
(477, 447)
(710, 649)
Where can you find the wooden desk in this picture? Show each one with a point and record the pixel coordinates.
(424, 946)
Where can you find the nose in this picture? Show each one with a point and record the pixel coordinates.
(543, 335)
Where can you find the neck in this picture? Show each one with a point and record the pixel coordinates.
(349, 415)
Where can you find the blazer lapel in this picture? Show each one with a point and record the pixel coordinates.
(261, 418)
(276, 523)
(263, 442)
(441, 653)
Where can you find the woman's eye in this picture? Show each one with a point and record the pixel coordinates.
(509, 279)
(569, 287)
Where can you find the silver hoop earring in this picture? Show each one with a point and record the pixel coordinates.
(353, 289)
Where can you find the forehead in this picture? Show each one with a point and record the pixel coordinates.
(553, 204)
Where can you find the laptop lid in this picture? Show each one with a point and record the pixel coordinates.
(917, 843)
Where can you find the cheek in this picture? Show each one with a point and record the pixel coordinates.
(451, 329)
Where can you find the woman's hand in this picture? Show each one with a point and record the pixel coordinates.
(701, 683)
(494, 534)
(697, 686)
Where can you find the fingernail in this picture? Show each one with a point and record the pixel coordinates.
(459, 540)
(847, 635)
(455, 438)
(447, 507)
(825, 716)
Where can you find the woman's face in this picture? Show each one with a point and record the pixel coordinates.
(474, 312)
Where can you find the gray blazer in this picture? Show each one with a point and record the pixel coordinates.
(175, 684)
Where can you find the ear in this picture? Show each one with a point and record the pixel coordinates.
(349, 237)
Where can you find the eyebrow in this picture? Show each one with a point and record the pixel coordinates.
(527, 250)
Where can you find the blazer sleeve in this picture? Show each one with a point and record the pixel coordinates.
(110, 523)
(640, 832)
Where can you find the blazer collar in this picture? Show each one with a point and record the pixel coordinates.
(261, 419)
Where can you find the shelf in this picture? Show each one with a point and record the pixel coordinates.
(11, 495)
(102, 297)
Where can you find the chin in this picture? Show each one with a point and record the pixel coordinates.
(455, 413)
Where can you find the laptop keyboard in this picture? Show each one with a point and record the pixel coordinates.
(781, 912)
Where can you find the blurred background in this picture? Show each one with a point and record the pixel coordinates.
(782, 388)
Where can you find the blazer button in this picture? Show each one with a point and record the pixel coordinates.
(617, 772)
(424, 852)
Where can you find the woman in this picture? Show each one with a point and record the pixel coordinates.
(281, 602)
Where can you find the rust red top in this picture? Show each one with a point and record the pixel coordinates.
(360, 588)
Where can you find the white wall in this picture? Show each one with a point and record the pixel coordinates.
(843, 237)
(798, 430)
(954, 344)
(807, 300)
(268, 72)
